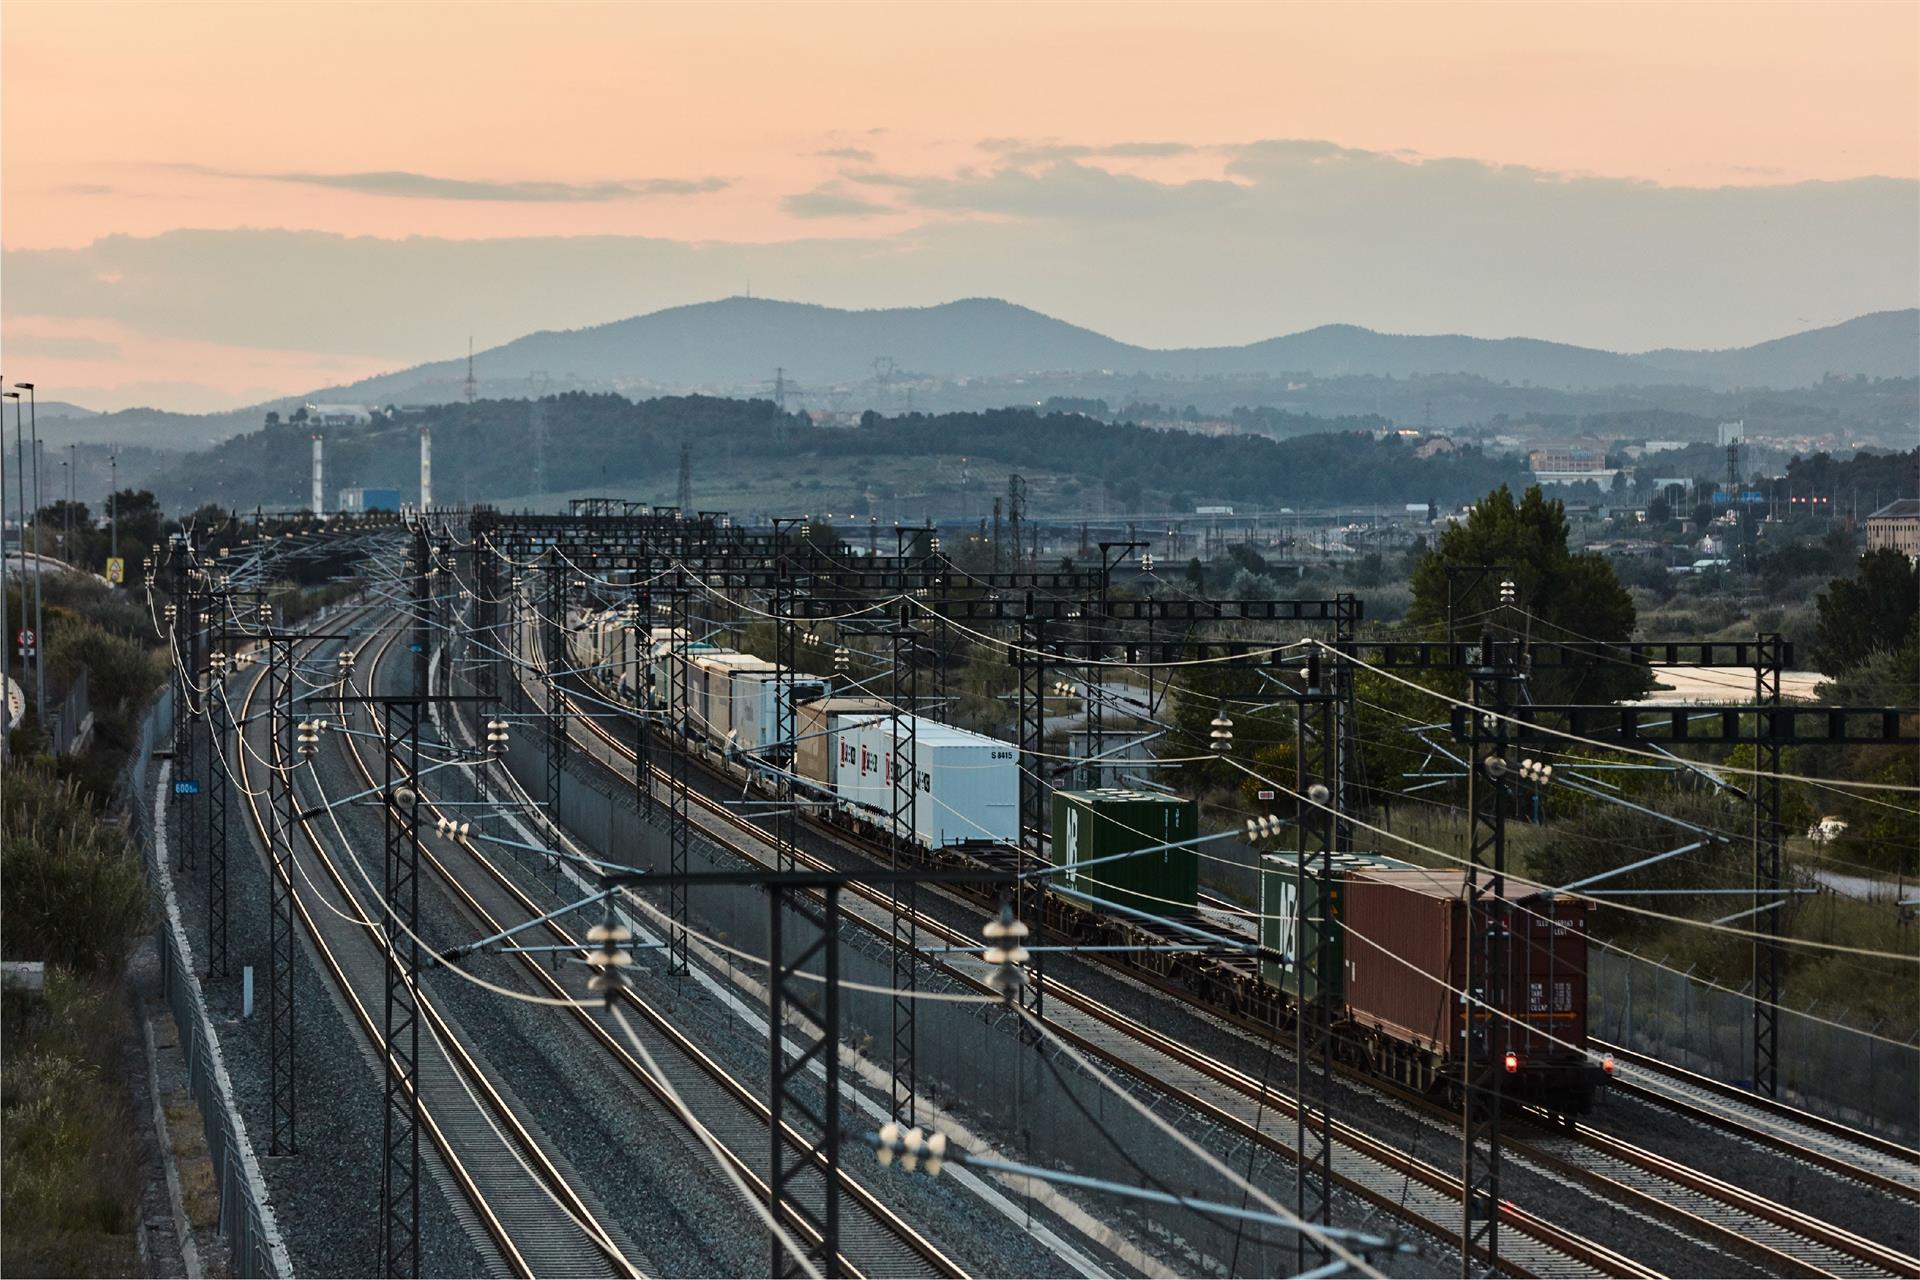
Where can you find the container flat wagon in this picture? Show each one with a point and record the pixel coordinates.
(1400, 933)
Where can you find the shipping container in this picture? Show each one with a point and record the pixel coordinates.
(966, 787)
(1278, 898)
(1108, 821)
(754, 719)
(710, 693)
(1407, 965)
(666, 656)
(815, 756)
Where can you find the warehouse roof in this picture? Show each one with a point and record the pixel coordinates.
(1899, 508)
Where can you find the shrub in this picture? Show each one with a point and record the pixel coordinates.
(69, 1173)
(71, 888)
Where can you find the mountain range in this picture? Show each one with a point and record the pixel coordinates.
(738, 343)
(985, 352)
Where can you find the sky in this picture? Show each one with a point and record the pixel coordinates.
(206, 205)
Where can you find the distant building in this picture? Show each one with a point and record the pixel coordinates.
(1896, 525)
(1664, 446)
(355, 501)
(1569, 466)
(1557, 460)
(338, 415)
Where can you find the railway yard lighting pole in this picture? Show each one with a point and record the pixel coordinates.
(1314, 914)
(1486, 925)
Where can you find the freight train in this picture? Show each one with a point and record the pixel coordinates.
(1400, 933)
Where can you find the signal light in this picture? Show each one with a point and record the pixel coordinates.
(1606, 1064)
(1513, 1062)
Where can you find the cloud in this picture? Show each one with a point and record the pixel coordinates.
(832, 201)
(861, 154)
(1022, 151)
(1061, 189)
(47, 346)
(87, 189)
(422, 186)
(1306, 233)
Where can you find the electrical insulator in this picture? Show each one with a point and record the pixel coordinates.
(1221, 737)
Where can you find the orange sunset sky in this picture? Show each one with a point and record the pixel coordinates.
(879, 154)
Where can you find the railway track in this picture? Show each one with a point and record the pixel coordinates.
(1393, 1181)
(528, 1207)
(1705, 1207)
(874, 1241)
(1709, 1207)
(1868, 1158)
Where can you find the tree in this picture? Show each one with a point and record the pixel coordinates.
(1560, 595)
(1876, 609)
(1702, 516)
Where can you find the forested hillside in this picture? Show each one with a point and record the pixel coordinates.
(487, 451)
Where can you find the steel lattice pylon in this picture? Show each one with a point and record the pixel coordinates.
(1485, 945)
(1317, 746)
(904, 768)
(281, 945)
(218, 713)
(400, 1163)
(791, 998)
(678, 822)
(1769, 659)
(1030, 895)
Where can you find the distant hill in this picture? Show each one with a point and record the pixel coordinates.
(62, 409)
(1885, 344)
(738, 343)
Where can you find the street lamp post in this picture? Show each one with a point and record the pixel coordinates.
(6, 605)
(113, 500)
(39, 615)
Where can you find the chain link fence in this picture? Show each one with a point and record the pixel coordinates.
(1834, 1070)
(245, 1220)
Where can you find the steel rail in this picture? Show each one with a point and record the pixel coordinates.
(1836, 1147)
(924, 1249)
(458, 1058)
(1590, 1256)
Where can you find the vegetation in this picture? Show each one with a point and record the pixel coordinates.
(1560, 595)
(70, 1168)
(1877, 610)
(597, 442)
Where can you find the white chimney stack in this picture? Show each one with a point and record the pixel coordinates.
(318, 502)
(426, 468)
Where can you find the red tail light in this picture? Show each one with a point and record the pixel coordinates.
(1606, 1064)
(1513, 1062)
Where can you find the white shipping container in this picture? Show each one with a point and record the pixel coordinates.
(710, 692)
(967, 788)
(755, 711)
(662, 663)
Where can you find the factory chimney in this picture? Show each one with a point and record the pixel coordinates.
(318, 502)
(426, 468)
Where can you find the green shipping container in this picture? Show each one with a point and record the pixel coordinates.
(1089, 825)
(1280, 898)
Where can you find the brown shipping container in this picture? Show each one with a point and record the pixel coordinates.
(813, 755)
(1406, 961)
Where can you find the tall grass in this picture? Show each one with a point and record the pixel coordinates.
(70, 1168)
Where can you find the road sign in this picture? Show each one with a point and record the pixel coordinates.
(26, 642)
(1266, 795)
(186, 787)
(116, 568)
